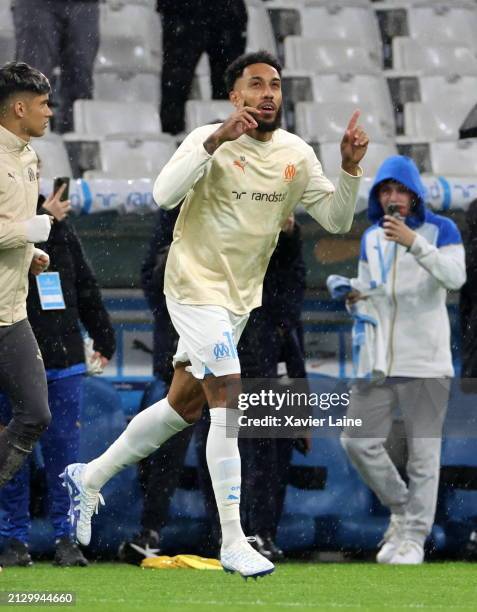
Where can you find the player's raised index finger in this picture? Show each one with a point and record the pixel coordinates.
(353, 121)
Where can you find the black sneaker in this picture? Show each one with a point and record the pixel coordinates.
(68, 554)
(15, 553)
(142, 546)
(267, 547)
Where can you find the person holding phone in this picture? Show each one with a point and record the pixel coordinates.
(410, 258)
(59, 299)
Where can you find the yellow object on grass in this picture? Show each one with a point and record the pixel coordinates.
(181, 562)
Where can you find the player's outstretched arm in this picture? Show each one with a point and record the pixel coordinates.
(188, 163)
(353, 145)
(334, 208)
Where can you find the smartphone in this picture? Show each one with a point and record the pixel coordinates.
(58, 182)
(393, 210)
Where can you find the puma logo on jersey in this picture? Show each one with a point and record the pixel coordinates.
(241, 163)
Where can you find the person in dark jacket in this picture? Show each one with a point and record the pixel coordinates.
(61, 343)
(273, 334)
(159, 474)
(190, 28)
(70, 41)
(468, 303)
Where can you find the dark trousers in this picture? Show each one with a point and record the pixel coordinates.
(59, 447)
(265, 474)
(159, 474)
(23, 381)
(64, 34)
(219, 31)
(266, 461)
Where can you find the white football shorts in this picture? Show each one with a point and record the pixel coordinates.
(208, 338)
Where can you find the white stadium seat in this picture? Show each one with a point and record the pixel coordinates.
(259, 28)
(130, 37)
(53, 156)
(128, 157)
(433, 58)
(99, 118)
(201, 112)
(7, 34)
(437, 89)
(131, 86)
(353, 25)
(431, 122)
(443, 23)
(327, 121)
(314, 56)
(454, 158)
(330, 157)
(362, 90)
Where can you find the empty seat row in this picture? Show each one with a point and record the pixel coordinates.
(127, 156)
(410, 54)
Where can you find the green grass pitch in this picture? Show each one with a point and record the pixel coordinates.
(294, 586)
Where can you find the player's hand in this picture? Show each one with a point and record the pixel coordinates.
(39, 262)
(396, 230)
(102, 359)
(59, 209)
(354, 145)
(240, 122)
(354, 296)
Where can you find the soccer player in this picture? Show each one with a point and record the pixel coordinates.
(241, 179)
(24, 112)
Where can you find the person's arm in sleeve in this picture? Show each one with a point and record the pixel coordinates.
(161, 238)
(16, 234)
(332, 208)
(183, 170)
(189, 162)
(12, 235)
(92, 312)
(445, 261)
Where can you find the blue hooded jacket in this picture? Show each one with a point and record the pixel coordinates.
(403, 169)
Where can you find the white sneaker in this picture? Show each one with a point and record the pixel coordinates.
(392, 539)
(409, 553)
(244, 559)
(83, 502)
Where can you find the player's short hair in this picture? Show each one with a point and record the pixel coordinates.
(17, 77)
(236, 68)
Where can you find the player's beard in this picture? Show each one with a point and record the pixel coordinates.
(270, 126)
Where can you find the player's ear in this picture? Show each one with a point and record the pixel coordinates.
(19, 108)
(234, 97)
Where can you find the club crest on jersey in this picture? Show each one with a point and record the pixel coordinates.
(289, 173)
(241, 163)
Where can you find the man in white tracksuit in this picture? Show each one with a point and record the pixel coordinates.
(415, 256)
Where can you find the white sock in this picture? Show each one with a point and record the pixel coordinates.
(144, 434)
(223, 460)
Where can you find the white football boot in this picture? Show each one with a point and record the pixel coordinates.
(83, 502)
(408, 553)
(392, 539)
(242, 558)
